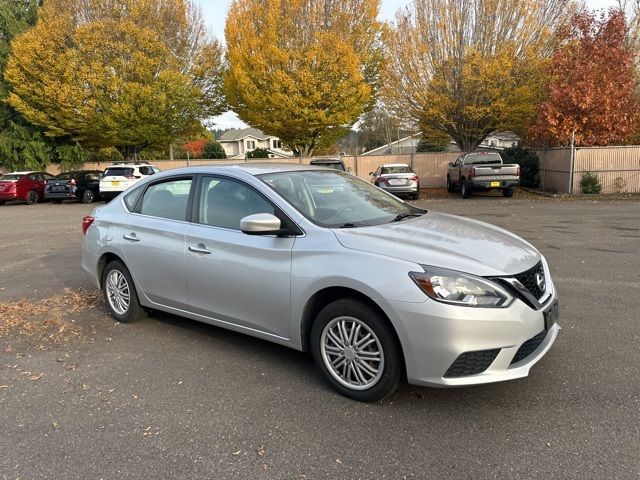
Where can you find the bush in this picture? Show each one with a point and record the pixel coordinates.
(213, 150)
(258, 153)
(431, 145)
(590, 183)
(529, 165)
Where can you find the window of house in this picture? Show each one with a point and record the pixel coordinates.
(251, 145)
(277, 144)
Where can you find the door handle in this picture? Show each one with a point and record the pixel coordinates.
(200, 248)
(131, 237)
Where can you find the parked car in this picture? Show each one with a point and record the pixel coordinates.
(25, 186)
(322, 261)
(118, 177)
(482, 171)
(397, 178)
(83, 185)
(330, 162)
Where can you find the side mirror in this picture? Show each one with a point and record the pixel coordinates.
(451, 164)
(371, 174)
(261, 224)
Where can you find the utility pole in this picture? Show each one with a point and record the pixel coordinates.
(572, 155)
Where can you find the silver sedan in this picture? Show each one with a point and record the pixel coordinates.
(377, 290)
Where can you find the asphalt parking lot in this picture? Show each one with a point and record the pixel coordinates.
(170, 398)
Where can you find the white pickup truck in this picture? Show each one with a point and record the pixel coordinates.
(482, 171)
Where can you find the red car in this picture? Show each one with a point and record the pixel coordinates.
(23, 186)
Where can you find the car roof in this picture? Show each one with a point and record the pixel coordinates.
(130, 165)
(394, 165)
(253, 169)
(20, 173)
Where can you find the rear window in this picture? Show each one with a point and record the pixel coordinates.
(480, 158)
(118, 172)
(11, 176)
(398, 169)
(67, 175)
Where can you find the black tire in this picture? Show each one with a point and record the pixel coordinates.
(450, 187)
(57, 201)
(2, 202)
(393, 367)
(508, 192)
(32, 197)
(88, 196)
(134, 310)
(466, 189)
(416, 196)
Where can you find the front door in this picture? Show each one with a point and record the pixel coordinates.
(233, 277)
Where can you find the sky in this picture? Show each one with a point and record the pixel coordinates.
(215, 11)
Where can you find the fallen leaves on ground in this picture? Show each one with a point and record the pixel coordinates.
(49, 320)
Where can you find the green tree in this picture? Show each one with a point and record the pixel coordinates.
(303, 70)
(213, 149)
(22, 145)
(124, 74)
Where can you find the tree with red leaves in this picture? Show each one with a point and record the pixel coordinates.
(195, 147)
(591, 85)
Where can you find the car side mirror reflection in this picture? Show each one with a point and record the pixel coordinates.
(261, 224)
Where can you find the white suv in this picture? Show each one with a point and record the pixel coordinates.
(120, 176)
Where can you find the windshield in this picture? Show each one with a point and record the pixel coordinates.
(118, 172)
(480, 158)
(11, 177)
(337, 200)
(66, 176)
(334, 165)
(395, 169)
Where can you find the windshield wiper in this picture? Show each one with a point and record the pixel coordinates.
(352, 225)
(402, 216)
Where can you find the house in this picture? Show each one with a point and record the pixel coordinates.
(237, 142)
(500, 140)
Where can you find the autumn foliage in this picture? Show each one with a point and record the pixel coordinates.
(591, 86)
(303, 70)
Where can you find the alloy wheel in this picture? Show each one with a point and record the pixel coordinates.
(352, 353)
(118, 293)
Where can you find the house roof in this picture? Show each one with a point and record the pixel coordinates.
(234, 134)
(394, 144)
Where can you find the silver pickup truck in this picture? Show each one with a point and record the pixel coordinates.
(482, 171)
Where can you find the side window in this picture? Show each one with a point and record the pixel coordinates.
(91, 176)
(131, 199)
(145, 170)
(167, 199)
(224, 202)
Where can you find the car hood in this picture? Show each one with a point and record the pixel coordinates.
(446, 241)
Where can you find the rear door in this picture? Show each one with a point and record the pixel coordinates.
(233, 277)
(152, 238)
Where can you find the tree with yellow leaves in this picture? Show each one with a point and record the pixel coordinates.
(467, 68)
(303, 70)
(124, 74)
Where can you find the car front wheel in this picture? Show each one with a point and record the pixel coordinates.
(356, 351)
(120, 293)
(465, 190)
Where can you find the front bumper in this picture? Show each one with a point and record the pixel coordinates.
(434, 335)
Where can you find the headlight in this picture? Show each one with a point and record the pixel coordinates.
(456, 288)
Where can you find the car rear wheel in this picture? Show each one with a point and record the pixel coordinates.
(120, 293)
(88, 196)
(507, 192)
(356, 351)
(465, 190)
(31, 198)
(2, 202)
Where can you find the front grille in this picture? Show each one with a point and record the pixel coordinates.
(530, 281)
(528, 347)
(470, 363)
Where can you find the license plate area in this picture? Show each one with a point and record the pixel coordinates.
(115, 183)
(495, 184)
(395, 181)
(551, 315)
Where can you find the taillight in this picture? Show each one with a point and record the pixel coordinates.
(415, 178)
(73, 181)
(518, 171)
(472, 172)
(380, 180)
(86, 223)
